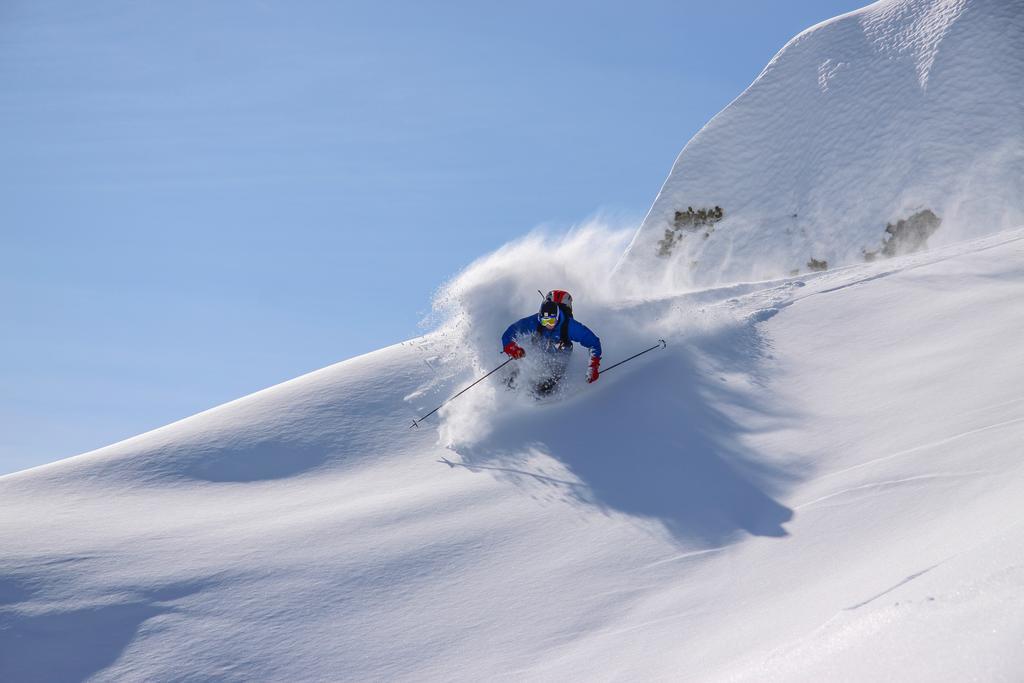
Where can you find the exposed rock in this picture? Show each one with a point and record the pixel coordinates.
(910, 234)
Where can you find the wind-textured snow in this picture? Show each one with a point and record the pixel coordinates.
(857, 123)
(818, 479)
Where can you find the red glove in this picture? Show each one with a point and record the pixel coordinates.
(514, 350)
(594, 372)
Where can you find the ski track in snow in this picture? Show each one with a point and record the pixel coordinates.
(892, 483)
(915, 575)
(922, 447)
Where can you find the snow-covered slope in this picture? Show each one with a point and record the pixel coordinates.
(819, 478)
(880, 115)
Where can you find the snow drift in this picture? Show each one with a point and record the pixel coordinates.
(866, 120)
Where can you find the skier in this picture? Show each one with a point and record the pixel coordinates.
(552, 331)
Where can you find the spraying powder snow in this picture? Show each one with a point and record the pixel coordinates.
(474, 308)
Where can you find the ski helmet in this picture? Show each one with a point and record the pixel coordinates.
(560, 296)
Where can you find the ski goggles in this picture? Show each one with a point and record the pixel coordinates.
(548, 321)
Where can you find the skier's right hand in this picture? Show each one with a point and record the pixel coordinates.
(514, 350)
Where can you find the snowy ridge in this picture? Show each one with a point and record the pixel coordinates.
(820, 476)
(862, 121)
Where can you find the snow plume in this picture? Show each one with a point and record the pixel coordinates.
(979, 200)
(629, 315)
(473, 309)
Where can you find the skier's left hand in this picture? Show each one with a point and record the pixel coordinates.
(594, 372)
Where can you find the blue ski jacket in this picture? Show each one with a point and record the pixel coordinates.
(551, 339)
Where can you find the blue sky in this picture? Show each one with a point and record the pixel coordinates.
(201, 199)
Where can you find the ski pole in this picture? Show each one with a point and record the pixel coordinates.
(416, 423)
(661, 344)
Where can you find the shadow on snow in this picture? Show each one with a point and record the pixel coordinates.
(74, 644)
(651, 443)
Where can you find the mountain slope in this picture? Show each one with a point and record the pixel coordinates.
(818, 476)
(905, 110)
